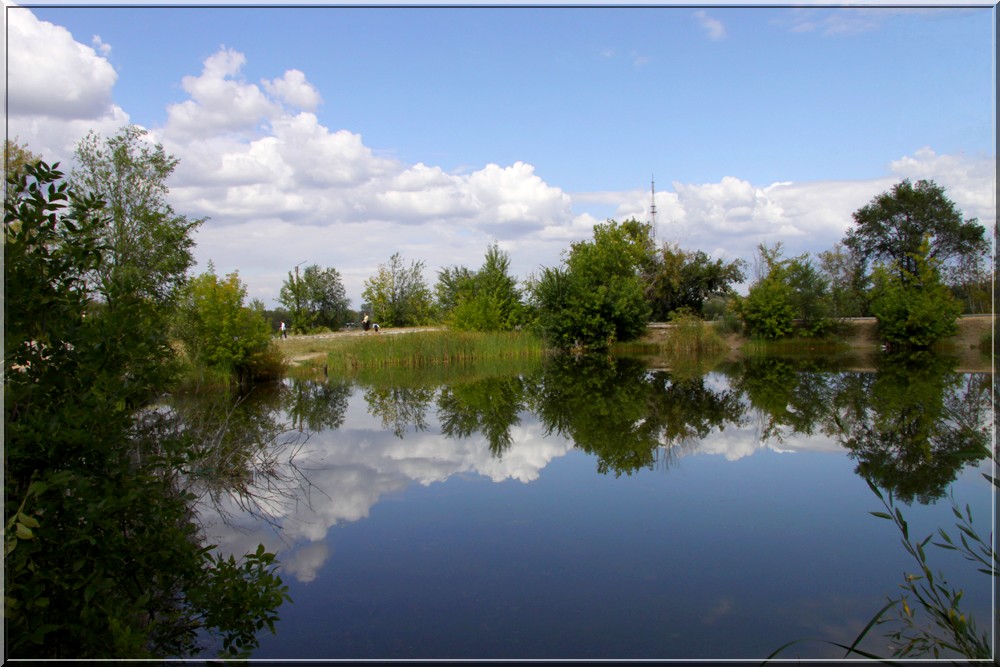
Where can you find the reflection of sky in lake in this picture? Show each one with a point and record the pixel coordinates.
(427, 546)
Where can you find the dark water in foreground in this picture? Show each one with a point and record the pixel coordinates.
(599, 509)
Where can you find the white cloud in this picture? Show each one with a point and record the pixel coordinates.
(219, 103)
(713, 27)
(100, 46)
(293, 89)
(56, 94)
(280, 187)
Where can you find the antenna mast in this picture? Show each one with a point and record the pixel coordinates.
(652, 205)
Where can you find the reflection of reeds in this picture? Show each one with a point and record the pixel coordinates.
(689, 344)
(429, 348)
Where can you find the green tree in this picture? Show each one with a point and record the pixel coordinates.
(891, 228)
(398, 294)
(102, 556)
(149, 246)
(685, 279)
(791, 295)
(490, 301)
(220, 331)
(15, 158)
(844, 271)
(597, 296)
(452, 281)
(315, 298)
(914, 309)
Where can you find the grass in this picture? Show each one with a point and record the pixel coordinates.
(427, 348)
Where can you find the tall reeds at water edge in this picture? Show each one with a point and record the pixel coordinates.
(419, 349)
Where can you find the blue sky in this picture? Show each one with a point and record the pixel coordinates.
(434, 131)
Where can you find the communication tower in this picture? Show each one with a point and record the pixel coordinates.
(652, 205)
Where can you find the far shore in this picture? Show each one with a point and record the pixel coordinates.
(861, 338)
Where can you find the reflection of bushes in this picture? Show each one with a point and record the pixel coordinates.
(913, 426)
(490, 406)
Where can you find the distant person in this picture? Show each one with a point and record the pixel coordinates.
(365, 323)
(375, 327)
(284, 331)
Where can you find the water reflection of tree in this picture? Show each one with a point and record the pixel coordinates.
(789, 397)
(241, 451)
(914, 424)
(490, 406)
(400, 407)
(317, 406)
(626, 416)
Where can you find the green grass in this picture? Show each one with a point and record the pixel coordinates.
(429, 348)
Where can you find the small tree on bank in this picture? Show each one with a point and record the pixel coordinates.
(489, 300)
(316, 298)
(220, 331)
(399, 295)
(914, 309)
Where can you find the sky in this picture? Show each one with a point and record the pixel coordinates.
(338, 136)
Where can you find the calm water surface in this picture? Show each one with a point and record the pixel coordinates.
(600, 509)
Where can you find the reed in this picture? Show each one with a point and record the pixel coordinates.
(415, 350)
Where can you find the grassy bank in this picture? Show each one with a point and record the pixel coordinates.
(427, 348)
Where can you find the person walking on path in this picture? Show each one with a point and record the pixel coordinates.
(284, 331)
(365, 323)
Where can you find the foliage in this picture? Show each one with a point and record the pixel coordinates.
(844, 271)
(399, 295)
(951, 629)
(893, 226)
(790, 296)
(15, 158)
(597, 297)
(105, 559)
(149, 246)
(317, 298)
(971, 282)
(220, 332)
(452, 281)
(684, 279)
(490, 299)
(914, 309)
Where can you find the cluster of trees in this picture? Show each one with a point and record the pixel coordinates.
(910, 260)
(103, 556)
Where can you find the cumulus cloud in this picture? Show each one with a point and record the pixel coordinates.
(57, 93)
(279, 187)
(220, 102)
(731, 217)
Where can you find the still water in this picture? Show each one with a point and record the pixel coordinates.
(600, 508)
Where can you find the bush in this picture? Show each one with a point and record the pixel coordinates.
(914, 309)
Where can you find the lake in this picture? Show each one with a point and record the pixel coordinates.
(601, 508)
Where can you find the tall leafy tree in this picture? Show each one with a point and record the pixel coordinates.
(102, 557)
(490, 300)
(452, 281)
(844, 271)
(685, 279)
(398, 294)
(892, 227)
(914, 309)
(597, 296)
(316, 297)
(149, 245)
